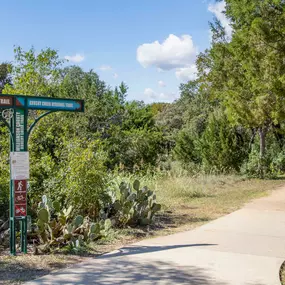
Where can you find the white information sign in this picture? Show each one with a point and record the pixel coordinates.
(20, 166)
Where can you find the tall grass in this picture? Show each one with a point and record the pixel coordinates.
(207, 195)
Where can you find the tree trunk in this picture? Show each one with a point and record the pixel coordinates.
(253, 134)
(262, 143)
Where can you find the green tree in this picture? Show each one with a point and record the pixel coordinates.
(136, 143)
(196, 107)
(186, 149)
(35, 73)
(83, 176)
(121, 92)
(222, 146)
(5, 76)
(247, 73)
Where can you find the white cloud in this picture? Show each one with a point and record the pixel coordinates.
(75, 58)
(161, 83)
(149, 92)
(105, 67)
(174, 52)
(218, 9)
(115, 75)
(186, 73)
(152, 96)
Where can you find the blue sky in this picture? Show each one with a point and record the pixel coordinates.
(149, 44)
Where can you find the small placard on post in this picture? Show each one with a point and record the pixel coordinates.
(20, 166)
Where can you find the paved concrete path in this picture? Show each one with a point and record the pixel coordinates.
(246, 247)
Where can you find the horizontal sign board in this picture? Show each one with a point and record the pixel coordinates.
(41, 103)
(54, 104)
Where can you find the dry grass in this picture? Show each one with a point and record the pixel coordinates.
(187, 203)
(17, 269)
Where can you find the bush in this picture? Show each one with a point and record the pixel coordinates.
(84, 179)
(134, 150)
(222, 146)
(4, 174)
(272, 164)
(186, 149)
(217, 148)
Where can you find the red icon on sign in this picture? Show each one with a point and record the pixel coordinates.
(21, 210)
(20, 185)
(20, 198)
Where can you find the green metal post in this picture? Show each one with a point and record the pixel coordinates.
(12, 218)
(23, 227)
(18, 143)
(24, 220)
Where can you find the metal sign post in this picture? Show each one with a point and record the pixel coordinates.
(15, 117)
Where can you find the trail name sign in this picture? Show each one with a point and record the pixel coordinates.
(41, 103)
(14, 111)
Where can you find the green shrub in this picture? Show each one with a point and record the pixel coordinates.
(4, 174)
(273, 162)
(84, 178)
(134, 150)
(222, 146)
(216, 148)
(186, 149)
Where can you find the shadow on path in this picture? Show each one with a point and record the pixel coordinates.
(129, 272)
(133, 250)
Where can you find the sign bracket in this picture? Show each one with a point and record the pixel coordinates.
(37, 119)
(8, 126)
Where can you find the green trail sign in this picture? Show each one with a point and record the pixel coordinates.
(41, 103)
(14, 113)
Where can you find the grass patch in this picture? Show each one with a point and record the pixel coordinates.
(187, 202)
(18, 269)
(191, 201)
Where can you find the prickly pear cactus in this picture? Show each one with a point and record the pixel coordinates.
(136, 185)
(78, 221)
(95, 228)
(56, 228)
(107, 225)
(43, 215)
(135, 205)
